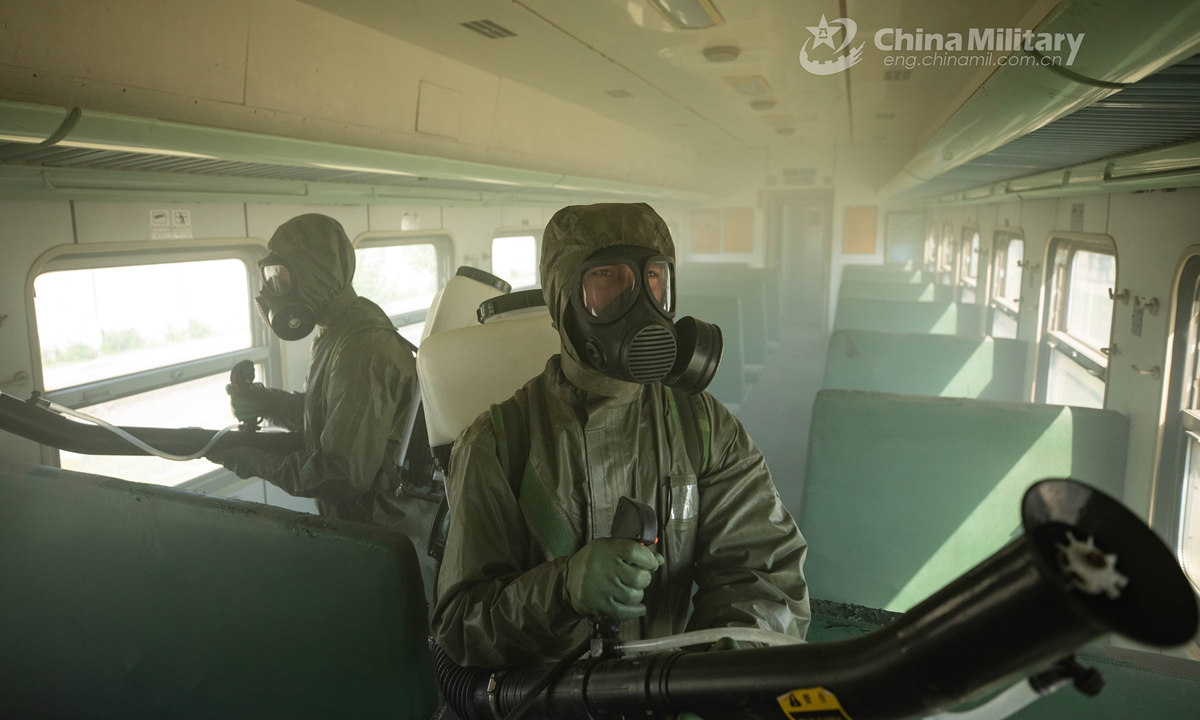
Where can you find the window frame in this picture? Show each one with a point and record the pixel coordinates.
(1056, 278)
(443, 245)
(1179, 416)
(265, 349)
(520, 231)
(997, 301)
(965, 280)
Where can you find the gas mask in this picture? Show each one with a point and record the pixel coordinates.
(622, 301)
(279, 302)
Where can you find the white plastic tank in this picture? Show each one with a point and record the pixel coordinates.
(455, 305)
(466, 370)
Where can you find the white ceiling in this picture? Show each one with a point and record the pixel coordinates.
(577, 50)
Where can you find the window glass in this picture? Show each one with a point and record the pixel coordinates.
(399, 278)
(973, 261)
(1070, 383)
(102, 323)
(1003, 326)
(1189, 535)
(515, 259)
(1012, 270)
(196, 403)
(1089, 309)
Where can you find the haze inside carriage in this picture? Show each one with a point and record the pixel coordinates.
(937, 282)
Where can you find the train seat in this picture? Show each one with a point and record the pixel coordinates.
(984, 368)
(725, 311)
(907, 291)
(751, 292)
(884, 273)
(938, 318)
(904, 493)
(770, 278)
(123, 599)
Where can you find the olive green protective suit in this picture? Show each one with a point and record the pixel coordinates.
(501, 591)
(361, 386)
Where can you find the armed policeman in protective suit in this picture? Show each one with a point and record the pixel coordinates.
(528, 558)
(360, 394)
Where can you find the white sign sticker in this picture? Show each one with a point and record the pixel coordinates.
(181, 224)
(160, 225)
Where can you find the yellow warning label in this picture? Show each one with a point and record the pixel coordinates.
(812, 704)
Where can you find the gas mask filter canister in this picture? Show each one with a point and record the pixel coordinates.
(279, 303)
(620, 322)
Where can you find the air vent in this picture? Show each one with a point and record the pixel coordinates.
(890, 75)
(651, 354)
(799, 176)
(753, 85)
(885, 116)
(620, 94)
(489, 29)
(762, 104)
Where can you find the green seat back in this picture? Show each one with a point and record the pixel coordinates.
(915, 364)
(903, 493)
(938, 318)
(912, 292)
(884, 273)
(724, 311)
(752, 294)
(696, 275)
(121, 599)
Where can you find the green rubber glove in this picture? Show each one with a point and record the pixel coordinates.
(245, 462)
(607, 577)
(248, 403)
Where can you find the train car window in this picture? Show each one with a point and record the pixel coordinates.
(515, 259)
(402, 272)
(1078, 321)
(931, 251)
(1008, 251)
(147, 338)
(1176, 509)
(968, 266)
(947, 257)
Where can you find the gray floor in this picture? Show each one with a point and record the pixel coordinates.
(779, 409)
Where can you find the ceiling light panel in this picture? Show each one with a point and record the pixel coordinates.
(688, 14)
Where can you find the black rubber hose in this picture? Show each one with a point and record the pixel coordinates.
(554, 673)
(460, 686)
(46, 427)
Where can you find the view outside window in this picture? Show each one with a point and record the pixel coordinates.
(401, 279)
(196, 403)
(103, 323)
(1089, 309)
(515, 259)
(973, 261)
(1012, 270)
(99, 324)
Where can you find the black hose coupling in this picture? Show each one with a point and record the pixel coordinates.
(1086, 680)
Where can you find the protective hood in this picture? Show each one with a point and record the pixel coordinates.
(321, 259)
(573, 235)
